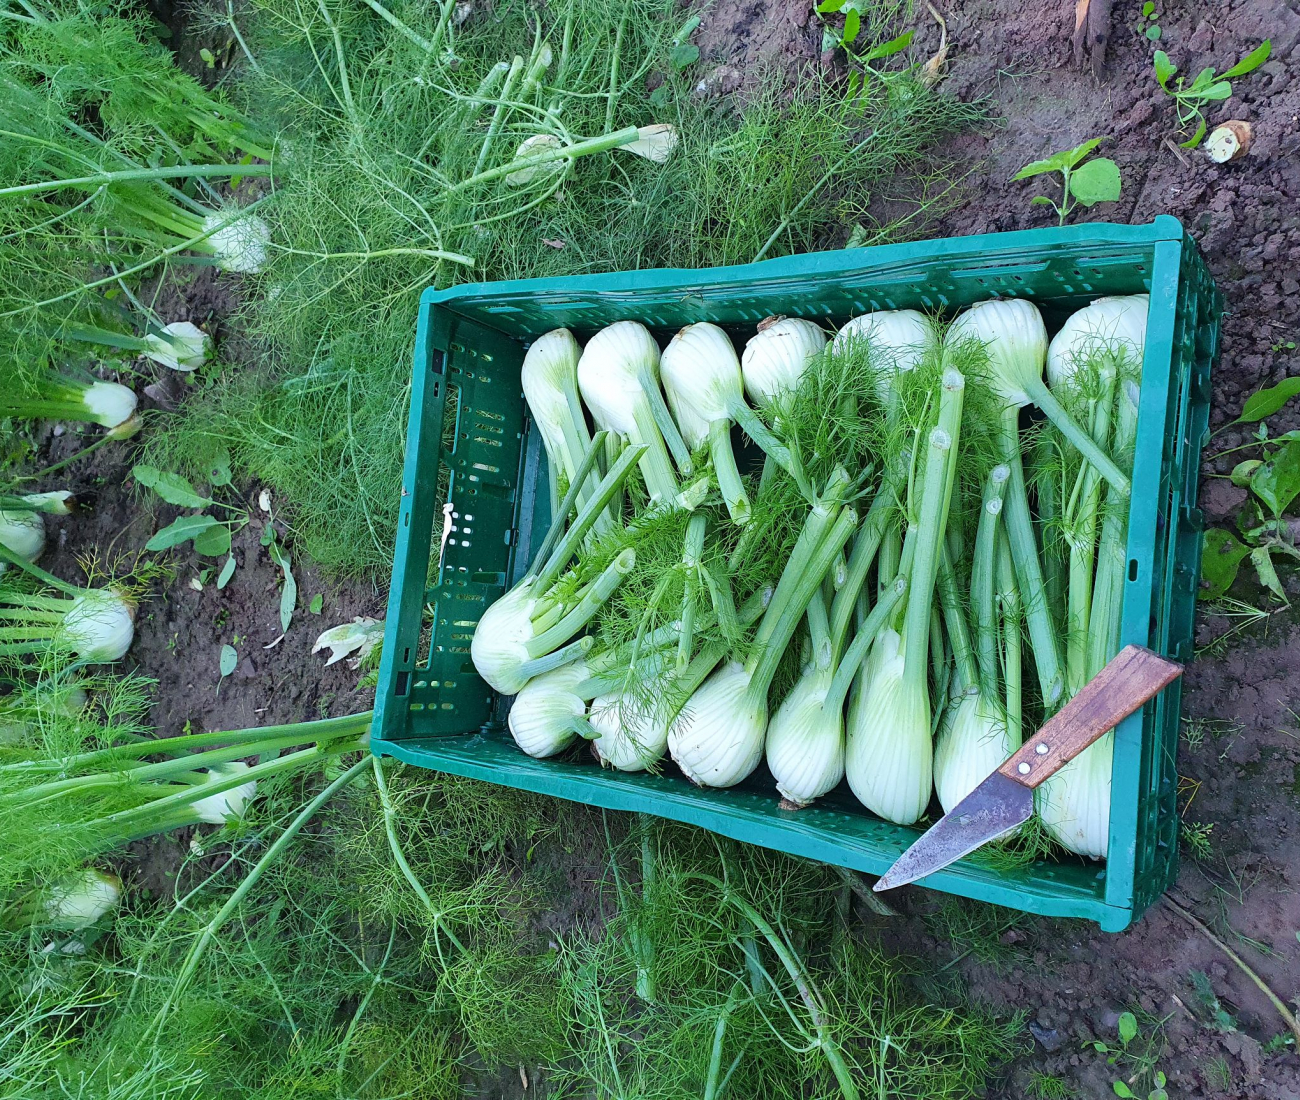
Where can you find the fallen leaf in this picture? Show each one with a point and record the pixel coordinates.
(933, 70)
(264, 500)
(552, 242)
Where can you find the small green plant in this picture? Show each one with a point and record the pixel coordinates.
(1085, 180)
(1272, 477)
(1136, 1055)
(1284, 345)
(1149, 17)
(1191, 100)
(1218, 1073)
(1046, 1086)
(1195, 837)
(1207, 1002)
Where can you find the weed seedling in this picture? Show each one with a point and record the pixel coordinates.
(1047, 1086)
(1135, 1056)
(1191, 100)
(1085, 180)
(1149, 17)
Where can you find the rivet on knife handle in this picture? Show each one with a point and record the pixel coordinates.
(1135, 676)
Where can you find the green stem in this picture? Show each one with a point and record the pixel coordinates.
(865, 547)
(567, 546)
(664, 421)
(656, 466)
(560, 516)
(955, 620)
(104, 179)
(1018, 525)
(561, 656)
(1012, 663)
(196, 952)
(694, 550)
(565, 152)
(856, 653)
(724, 466)
(36, 571)
(983, 571)
(1083, 442)
(752, 425)
(819, 630)
(592, 600)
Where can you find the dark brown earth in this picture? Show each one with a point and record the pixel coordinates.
(1241, 753)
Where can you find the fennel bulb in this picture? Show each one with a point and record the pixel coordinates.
(889, 759)
(549, 378)
(628, 742)
(898, 337)
(81, 899)
(774, 360)
(1074, 804)
(1114, 328)
(717, 739)
(618, 368)
(655, 142)
(805, 740)
(99, 625)
(541, 719)
(181, 346)
(530, 147)
(241, 245)
(60, 502)
(973, 742)
(108, 403)
(225, 806)
(23, 532)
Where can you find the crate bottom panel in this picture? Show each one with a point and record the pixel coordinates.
(835, 831)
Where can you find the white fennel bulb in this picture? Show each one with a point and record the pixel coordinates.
(655, 142)
(629, 741)
(22, 533)
(499, 646)
(60, 502)
(717, 739)
(530, 147)
(702, 378)
(1013, 333)
(99, 625)
(1074, 804)
(108, 403)
(81, 899)
(775, 359)
(1113, 328)
(225, 806)
(181, 346)
(973, 742)
(241, 245)
(805, 745)
(549, 376)
(897, 338)
(541, 717)
(889, 757)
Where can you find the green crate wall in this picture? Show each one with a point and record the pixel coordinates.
(474, 506)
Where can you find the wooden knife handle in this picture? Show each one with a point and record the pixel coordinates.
(1133, 677)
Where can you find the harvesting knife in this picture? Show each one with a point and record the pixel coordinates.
(1006, 798)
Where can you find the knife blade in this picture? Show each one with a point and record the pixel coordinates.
(1006, 798)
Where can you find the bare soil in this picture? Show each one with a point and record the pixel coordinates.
(1241, 758)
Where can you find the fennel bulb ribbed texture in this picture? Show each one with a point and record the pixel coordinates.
(609, 374)
(1012, 331)
(628, 741)
(499, 646)
(541, 717)
(1114, 327)
(889, 758)
(224, 806)
(898, 339)
(81, 899)
(240, 246)
(181, 346)
(1074, 804)
(22, 532)
(973, 742)
(108, 403)
(549, 374)
(805, 745)
(717, 739)
(99, 625)
(702, 379)
(774, 360)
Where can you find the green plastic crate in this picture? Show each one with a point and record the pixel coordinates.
(432, 710)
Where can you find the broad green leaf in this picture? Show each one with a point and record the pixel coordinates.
(1096, 181)
(1128, 1027)
(852, 25)
(173, 488)
(829, 6)
(213, 542)
(229, 659)
(1241, 472)
(227, 571)
(181, 529)
(1221, 90)
(1054, 163)
(1080, 152)
(1195, 140)
(1276, 481)
(1148, 9)
(1203, 80)
(888, 49)
(1266, 402)
(1161, 1080)
(219, 470)
(684, 56)
(1251, 61)
(317, 602)
(1153, 34)
(1262, 560)
(289, 593)
(1221, 556)
(1123, 1090)
(1164, 68)
(1041, 200)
